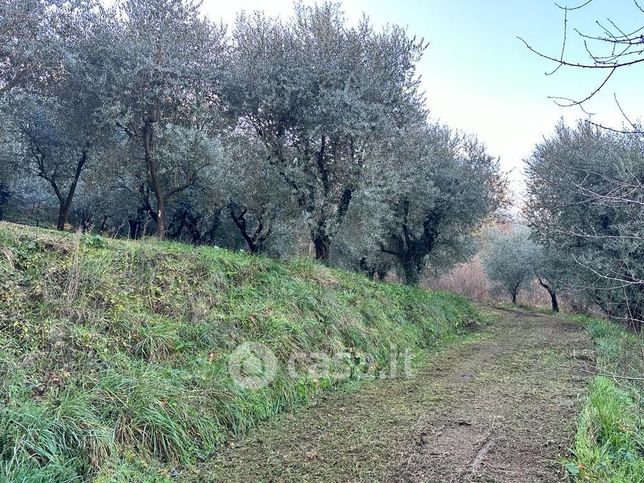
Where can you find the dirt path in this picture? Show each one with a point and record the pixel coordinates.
(499, 407)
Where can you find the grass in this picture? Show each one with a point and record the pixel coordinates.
(609, 444)
(114, 354)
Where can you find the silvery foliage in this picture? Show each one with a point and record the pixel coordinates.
(321, 95)
(29, 47)
(509, 259)
(440, 187)
(57, 129)
(586, 201)
(196, 125)
(252, 192)
(167, 57)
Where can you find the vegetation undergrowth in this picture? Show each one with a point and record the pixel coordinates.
(114, 354)
(609, 444)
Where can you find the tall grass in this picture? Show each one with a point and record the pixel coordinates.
(113, 354)
(609, 444)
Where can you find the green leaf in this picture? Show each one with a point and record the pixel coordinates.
(572, 469)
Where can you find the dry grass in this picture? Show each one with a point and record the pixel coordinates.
(498, 405)
(469, 279)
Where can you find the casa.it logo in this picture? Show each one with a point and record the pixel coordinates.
(252, 365)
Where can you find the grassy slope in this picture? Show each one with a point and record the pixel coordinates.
(609, 445)
(113, 353)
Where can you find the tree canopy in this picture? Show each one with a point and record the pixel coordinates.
(271, 135)
(585, 200)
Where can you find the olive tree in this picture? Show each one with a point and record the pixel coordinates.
(165, 99)
(52, 150)
(585, 200)
(509, 259)
(57, 120)
(438, 188)
(321, 94)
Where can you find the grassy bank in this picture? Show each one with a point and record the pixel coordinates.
(114, 354)
(609, 444)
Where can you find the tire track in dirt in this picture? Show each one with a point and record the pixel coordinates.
(498, 407)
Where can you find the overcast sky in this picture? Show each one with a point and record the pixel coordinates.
(480, 78)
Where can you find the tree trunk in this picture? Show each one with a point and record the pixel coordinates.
(64, 208)
(134, 226)
(553, 299)
(514, 298)
(160, 216)
(413, 264)
(553, 294)
(103, 225)
(240, 223)
(66, 203)
(322, 247)
(148, 148)
(411, 274)
(63, 214)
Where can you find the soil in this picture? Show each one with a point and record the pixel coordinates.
(500, 406)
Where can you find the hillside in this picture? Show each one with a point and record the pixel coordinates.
(114, 354)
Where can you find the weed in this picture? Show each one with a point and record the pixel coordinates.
(113, 353)
(609, 444)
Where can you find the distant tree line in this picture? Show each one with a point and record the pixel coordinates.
(146, 117)
(513, 260)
